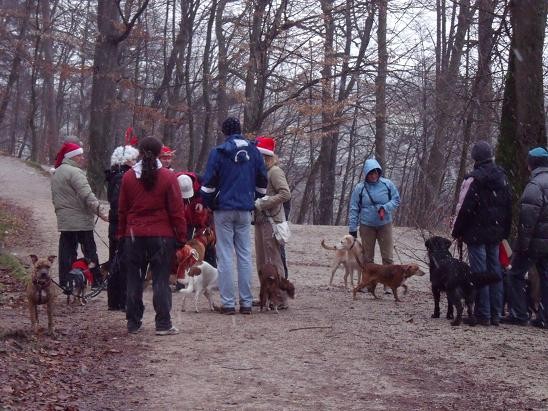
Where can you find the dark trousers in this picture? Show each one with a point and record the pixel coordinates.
(158, 253)
(116, 292)
(68, 253)
(517, 290)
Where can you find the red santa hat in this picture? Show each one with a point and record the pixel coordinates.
(266, 145)
(167, 152)
(68, 150)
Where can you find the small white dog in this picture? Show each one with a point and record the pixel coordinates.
(200, 279)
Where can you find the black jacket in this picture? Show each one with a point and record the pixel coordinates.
(485, 216)
(533, 215)
(113, 178)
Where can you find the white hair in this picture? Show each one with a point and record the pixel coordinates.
(123, 154)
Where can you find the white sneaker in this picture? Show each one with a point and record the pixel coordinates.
(171, 331)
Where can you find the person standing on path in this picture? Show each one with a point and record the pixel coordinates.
(235, 177)
(75, 207)
(483, 220)
(151, 223)
(372, 205)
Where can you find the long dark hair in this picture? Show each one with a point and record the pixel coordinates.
(149, 148)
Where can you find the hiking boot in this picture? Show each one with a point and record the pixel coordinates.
(513, 321)
(171, 331)
(495, 322)
(134, 330)
(245, 310)
(225, 310)
(483, 321)
(539, 323)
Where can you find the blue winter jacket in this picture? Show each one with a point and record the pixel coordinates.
(368, 198)
(235, 175)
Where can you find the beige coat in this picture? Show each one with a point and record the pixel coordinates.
(74, 202)
(277, 193)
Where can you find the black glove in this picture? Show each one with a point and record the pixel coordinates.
(353, 234)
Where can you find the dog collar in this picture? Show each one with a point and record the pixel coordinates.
(353, 242)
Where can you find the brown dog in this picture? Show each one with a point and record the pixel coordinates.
(40, 291)
(391, 275)
(271, 293)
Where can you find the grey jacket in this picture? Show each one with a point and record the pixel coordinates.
(533, 215)
(74, 202)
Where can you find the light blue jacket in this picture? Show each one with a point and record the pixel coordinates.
(368, 198)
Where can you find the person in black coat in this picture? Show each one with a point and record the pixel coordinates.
(483, 220)
(532, 242)
(122, 159)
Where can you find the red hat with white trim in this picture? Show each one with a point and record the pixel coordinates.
(68, 150)
(266, 145)
(167, 152)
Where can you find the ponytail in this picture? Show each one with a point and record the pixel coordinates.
(149, 148)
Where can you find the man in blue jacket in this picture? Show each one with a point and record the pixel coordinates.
(371, 206)
(235, 176)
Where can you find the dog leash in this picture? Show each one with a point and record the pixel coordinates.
(66, 291)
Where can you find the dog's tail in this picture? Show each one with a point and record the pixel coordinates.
(480, 279)
(328, 247)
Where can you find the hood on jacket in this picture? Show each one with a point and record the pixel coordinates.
(370, 165)
(235, 147)
(489, 174)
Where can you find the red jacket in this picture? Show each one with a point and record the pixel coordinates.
(156, 213)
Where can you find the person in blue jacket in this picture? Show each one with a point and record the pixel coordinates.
(372, 205)
(235, 177)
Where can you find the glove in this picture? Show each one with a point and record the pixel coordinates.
(381, 213)
(353, 234)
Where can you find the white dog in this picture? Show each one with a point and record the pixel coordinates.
(346, 252)
(200, 279)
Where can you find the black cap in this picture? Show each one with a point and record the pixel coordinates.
(482, 151)
(231, 126)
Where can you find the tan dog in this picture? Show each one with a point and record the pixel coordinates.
(40, 291)
(391, 275)
(346, 254)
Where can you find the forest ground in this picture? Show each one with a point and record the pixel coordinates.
(326, 352)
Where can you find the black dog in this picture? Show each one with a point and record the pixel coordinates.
(454, 278)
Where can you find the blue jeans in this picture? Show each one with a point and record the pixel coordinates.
(517, 286)
(485, 258)
(233, 230)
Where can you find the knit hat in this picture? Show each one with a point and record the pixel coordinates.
(482, 151)
(68, 150)
(167, 152)
(185, 183)
(537, 157)
(266, 145)
(231, 126)
(122, 154)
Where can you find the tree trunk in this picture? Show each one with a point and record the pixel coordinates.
(523, 117)
(112, 31)
(380, 87)
(51, 131)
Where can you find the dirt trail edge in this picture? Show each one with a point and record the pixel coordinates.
(326, 352)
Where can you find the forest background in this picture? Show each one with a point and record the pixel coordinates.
(412, 82)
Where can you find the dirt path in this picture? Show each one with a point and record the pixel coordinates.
(326, 352)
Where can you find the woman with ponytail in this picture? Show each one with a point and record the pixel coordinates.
(151, 223)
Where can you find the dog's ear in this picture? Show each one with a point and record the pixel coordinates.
(428, 243)
(33, 258)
